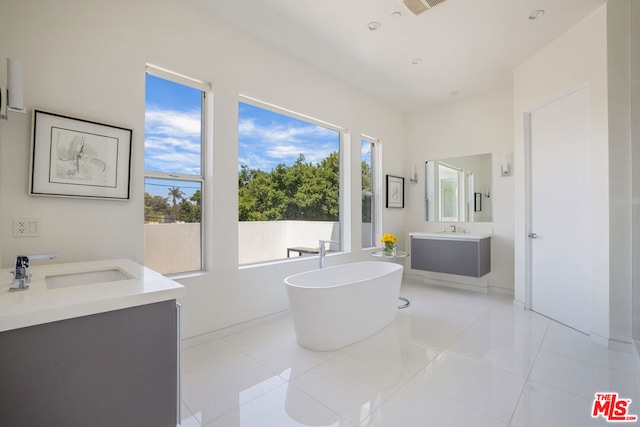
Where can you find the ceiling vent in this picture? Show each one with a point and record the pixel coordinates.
(419, 6)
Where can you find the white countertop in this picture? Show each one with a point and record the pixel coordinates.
(38, 305)
(451, 236)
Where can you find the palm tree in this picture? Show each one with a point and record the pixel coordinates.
(176, 195)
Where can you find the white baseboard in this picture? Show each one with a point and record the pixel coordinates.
(519, 305)
(625, 347)
(221, 333)
(456, 285)
(457, 282)
(501, 291)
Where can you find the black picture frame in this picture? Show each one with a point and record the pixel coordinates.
(477, 202)
(395, 192)
(72, 157)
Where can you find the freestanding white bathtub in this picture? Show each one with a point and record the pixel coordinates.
(334, 307)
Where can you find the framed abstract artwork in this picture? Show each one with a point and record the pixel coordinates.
(72, 157)
(395, 192)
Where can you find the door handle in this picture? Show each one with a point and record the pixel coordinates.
(533, 235)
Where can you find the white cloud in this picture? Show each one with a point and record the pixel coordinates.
(172, 141)
(177, 123)
(263, 146)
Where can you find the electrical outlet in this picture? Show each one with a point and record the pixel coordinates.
(26, 227)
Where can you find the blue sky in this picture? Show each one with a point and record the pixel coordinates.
(265, 138)
(172, 134)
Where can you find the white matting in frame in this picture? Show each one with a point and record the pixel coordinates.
(79, 158)
(395, 191)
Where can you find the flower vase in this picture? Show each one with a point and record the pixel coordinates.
(388, 248)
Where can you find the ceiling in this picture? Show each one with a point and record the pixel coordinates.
(465, 46)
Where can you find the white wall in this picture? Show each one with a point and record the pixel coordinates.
(635, 138)
(590, 54)
(87, 59)
(620, 182)
(475, 125)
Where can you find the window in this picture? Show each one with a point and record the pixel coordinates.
(288, 183)
(368, 194)
(450, 193)
(173, 162)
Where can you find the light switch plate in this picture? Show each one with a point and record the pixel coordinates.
(26, 227)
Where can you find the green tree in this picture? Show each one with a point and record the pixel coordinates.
(190, 209)
(366, 186)
(302, 191)
(366, 176)
(155, 207)
(176, 194)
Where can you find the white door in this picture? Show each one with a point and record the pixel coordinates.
(561, 210)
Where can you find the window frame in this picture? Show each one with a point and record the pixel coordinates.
(376, 205)
(344, 181)
(205, 129)
(458, 197)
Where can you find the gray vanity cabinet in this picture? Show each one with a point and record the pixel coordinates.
(117, 368)
(464, 257)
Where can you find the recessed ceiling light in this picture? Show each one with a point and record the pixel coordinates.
(374, 25)
(416, 61)
(396, 14)
(536, 14)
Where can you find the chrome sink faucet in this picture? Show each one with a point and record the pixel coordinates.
(322, 252)
(21, 275)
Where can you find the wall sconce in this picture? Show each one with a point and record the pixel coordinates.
(413, 176)
(12, 96)
(504, 166)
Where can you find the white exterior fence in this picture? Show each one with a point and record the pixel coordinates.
(175, 247)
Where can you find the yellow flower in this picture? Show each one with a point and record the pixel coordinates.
(388, 238)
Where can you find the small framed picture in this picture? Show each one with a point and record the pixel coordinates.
(73, 157)
(395, 191)
(477, 202)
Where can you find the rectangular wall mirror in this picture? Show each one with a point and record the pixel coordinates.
(458, 189)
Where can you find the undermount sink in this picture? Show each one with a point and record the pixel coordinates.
(85, 278)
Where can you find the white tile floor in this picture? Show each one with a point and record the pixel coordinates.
(453, 358)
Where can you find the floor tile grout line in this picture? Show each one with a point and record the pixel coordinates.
(612, 368)
(528, 377)
(240, 352)
(393, 373)
(449, 398)
(191, 412)
(560, 390)
(541, 350)
(447, 350)
(289, 384)
(405, 381)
